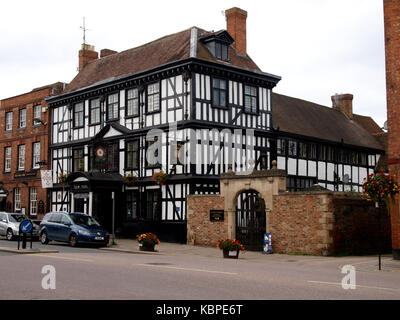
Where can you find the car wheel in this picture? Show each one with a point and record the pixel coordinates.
(72, 240)
(43, 238)
(10, 235)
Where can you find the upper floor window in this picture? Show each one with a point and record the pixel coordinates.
(153, 97)
(9, 116)
(221, 51)
(281, 146)
(21, 157)
(94, 114)
(36, 155)
(113, 106)
(302, 150)
(322, 153)
(7, 159)
(37, 114)
(132, 102)
(312, 154)
(250, 99)
(22, 118)
(220, 93)
(292, 148)
(132, 154)
(78, 163)
(78, 115)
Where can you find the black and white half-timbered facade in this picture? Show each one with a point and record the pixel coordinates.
(206, 106)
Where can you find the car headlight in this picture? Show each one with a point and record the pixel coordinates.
(84, 233)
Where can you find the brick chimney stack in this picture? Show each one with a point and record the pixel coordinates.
(236, 27)
(344, 103)
(391, 10)
(106, 52)
(86, 54)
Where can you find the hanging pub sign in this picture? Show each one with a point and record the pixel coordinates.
(216, 215)
(267, 243)
(47, 178)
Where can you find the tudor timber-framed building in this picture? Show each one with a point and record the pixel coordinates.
(201, 81)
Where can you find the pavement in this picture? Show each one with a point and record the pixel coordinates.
(26, 251)
(362, 263)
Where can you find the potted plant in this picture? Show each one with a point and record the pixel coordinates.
(147, 241)
(160, 177)
(230, 248)
(130, 179)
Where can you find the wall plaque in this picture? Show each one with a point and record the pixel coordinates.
(216, 215)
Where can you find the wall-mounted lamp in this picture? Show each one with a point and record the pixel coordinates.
(39, 120)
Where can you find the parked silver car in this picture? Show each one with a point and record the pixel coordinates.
(9, 225)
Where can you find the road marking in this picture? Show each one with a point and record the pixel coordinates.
(357, 286)
(186, 269)
(61, 257)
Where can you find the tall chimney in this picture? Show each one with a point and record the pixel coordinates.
(106, 52)
(236, 27)
(344, 103)
(86, 54)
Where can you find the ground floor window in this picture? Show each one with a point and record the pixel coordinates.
(17, 199)
(152, 205)
(131, 205)
(33, 201)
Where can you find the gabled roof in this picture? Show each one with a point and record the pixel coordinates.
(309, 119)
(168, 49)
(114, 128)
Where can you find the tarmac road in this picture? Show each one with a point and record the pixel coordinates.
(90, 273)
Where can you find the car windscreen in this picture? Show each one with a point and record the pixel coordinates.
(17, 217)
(83, 220)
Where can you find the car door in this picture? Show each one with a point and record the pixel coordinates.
(64, 228)
(54, 226)
(3, 224)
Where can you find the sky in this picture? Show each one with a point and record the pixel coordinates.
(318, 47)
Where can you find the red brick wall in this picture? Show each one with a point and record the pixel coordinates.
(295, 222)
(31, 133)
(356, 227)
(342, 223)
(236, 27)
(392, 46)
(207, 233)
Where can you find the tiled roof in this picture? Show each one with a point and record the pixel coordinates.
(171, 48)
(309, 119)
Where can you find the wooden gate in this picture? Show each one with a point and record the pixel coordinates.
(250, 220)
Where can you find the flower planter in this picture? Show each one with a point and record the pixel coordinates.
(231, 254)
(143, 247)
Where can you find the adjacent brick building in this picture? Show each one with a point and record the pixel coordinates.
(24, 139)
(392, 46)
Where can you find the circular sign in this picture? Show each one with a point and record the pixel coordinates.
(100, 152)
(25, 226)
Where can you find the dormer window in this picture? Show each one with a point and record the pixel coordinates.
(218, 44)
(221, 51)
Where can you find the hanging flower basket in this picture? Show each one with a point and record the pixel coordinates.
(160, 177)
(230, 248)
(147, 241)
(130, 179)
(381, 187)
(62, 178)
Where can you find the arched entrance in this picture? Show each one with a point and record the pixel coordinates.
(250, 220)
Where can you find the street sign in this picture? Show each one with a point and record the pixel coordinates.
(25, 226)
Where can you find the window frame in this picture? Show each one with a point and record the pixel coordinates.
(81, 159)
(33, 201)
(136, 165)
(117, 104)
(9, 159)
(11, 122)
(15, 199)
(81, 113)
(133, 115)
(34, 164)
(290, 150)
(91, 123)
(133, 199)
(22, 112)
(34, 108)
(219, 89)
(19, 168)
(153, 94)
(219, 55)
(245, 109)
